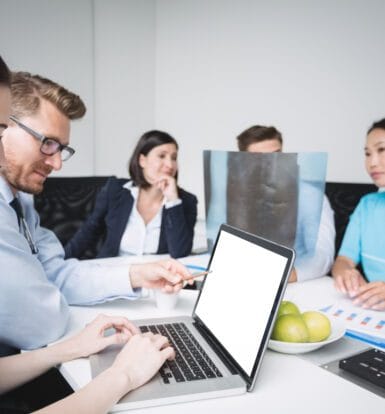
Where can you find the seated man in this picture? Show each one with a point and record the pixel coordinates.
(264, 139)
(37, 284)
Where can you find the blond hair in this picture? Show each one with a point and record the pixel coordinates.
(28, 90)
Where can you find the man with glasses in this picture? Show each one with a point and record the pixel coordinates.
(36, 283)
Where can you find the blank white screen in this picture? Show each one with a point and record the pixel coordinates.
(238, 295)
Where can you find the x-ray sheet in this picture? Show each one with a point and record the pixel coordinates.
(312, 176)
(276, 195)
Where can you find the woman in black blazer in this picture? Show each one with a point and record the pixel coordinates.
(147, 214)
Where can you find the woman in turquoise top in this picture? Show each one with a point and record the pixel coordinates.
(364, 239)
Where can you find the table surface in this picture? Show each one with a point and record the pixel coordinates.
(286, 383)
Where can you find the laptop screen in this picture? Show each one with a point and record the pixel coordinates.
(239, 296)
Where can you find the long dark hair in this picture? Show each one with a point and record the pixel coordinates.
(146, 143)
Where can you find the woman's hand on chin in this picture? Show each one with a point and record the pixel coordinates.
(167, 185)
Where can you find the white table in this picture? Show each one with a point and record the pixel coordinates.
(286, 383)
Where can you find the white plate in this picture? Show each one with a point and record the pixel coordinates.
(338, 331)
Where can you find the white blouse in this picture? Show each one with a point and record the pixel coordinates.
(139, 238)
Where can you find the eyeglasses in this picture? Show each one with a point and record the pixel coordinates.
(49, 146)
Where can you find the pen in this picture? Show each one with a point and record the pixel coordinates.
(194, 267)
(195, 275)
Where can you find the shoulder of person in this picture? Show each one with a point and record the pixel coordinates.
(115, 184)
(372, 198)
(370, 201)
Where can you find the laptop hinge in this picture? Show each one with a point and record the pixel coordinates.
(216, 348)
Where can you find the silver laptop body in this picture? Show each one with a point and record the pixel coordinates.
(232, 321)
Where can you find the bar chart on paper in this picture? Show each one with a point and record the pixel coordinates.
(361, 324)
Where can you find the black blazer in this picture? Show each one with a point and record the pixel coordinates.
(109, 218)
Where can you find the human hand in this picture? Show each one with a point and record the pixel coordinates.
(348, 281)
(92, 340)
(167, 275)
(293, 276)
(371, 296)
(167, 185)
(142, 357)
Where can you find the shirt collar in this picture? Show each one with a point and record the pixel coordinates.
(129, 184)
(5, 190)
(135, 191)
(381, 189)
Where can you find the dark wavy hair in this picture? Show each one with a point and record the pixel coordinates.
(146, 143)
(5, 74)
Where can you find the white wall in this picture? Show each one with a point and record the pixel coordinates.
(54, 39)
(313, 69)
(206, 69)
(124, 80)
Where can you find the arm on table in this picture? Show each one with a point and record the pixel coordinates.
(138, 361)
(348, 280)
(21, 368)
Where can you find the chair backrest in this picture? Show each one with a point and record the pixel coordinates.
(343, 198)
(65, 203)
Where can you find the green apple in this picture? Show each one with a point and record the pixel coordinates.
(318, 325)
(287, 307)
(290, 328)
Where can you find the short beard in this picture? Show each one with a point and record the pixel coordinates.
(19, 186)
(14, 178)
(29, 189)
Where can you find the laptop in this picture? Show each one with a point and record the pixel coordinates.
(221, 345)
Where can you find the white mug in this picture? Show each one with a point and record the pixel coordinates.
(165, 301)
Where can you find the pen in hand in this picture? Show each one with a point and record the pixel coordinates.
(195, 275)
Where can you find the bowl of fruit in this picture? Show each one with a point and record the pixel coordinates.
(297, 332)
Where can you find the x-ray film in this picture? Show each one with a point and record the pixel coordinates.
(278, 196)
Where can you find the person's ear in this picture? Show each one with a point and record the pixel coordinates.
(142, 160)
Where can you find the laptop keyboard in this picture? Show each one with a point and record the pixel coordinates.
(369, 365)
(191, 362)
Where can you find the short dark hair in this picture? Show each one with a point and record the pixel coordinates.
(257, 133)
(377, 125)
(5, 74)
(146, 143)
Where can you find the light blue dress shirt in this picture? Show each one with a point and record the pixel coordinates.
(319, 258)
(364, 239)
(35, 290)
